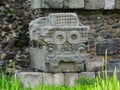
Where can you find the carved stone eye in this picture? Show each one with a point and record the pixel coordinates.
(73, 37)
(59, 37)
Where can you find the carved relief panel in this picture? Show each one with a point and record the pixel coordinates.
(62, 39)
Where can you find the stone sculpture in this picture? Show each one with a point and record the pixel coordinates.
(57, 43)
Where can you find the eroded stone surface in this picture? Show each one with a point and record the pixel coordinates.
(53, 79)
(94, 4)
(53, 4)
(114, 64)
(109, 4)
(117, 4)
(110, 45)
(93, 65)
(87, 74)
(74, 4)
(32, 79)
(37, 54)
(58, 78)
(36, 3)
(70, 78)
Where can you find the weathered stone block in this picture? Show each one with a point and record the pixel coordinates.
(36, 3)
(30, 79)
(117, 4)
(87, 74)
(94, 4)
(58, 78)
(53, 79)
(74, 4)
(37, 54)
(53, 4)
(109, 4)
(93, 65)
(70, 78)
(110, 45)
(48, 78)
(112, 64)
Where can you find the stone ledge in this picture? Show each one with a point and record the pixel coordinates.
(94, 4)
(31, 79)
(76, 4)
(117, 4)
(109, 4)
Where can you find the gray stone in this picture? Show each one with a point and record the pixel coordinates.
(109, 4)
(38, 55)
(3, 55)
(94, 4)
(74, 4)
(57, 43)
(53, 79)
(70, 78)
(110, 45)
(2, 9)
(58, 78)
(2, 63)
(53, 4)
(117, 4)
(108, 73)
(36, 3)
(116, 26)
(87, 74)
(112, 64)
(48, 78)
(93, 65)
(32, 79)
(1, 22)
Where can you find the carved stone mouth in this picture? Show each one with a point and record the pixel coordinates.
(66, 66)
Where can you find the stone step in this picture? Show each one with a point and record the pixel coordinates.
(31, 79)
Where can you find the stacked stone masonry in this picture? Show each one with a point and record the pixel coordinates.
(31, 79)
(15, 16)
(53, 30)
(77, 4)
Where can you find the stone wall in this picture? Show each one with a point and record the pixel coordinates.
(103, 25)
(14, 20)
(14, 38)
(77, 4)
(15, 16)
